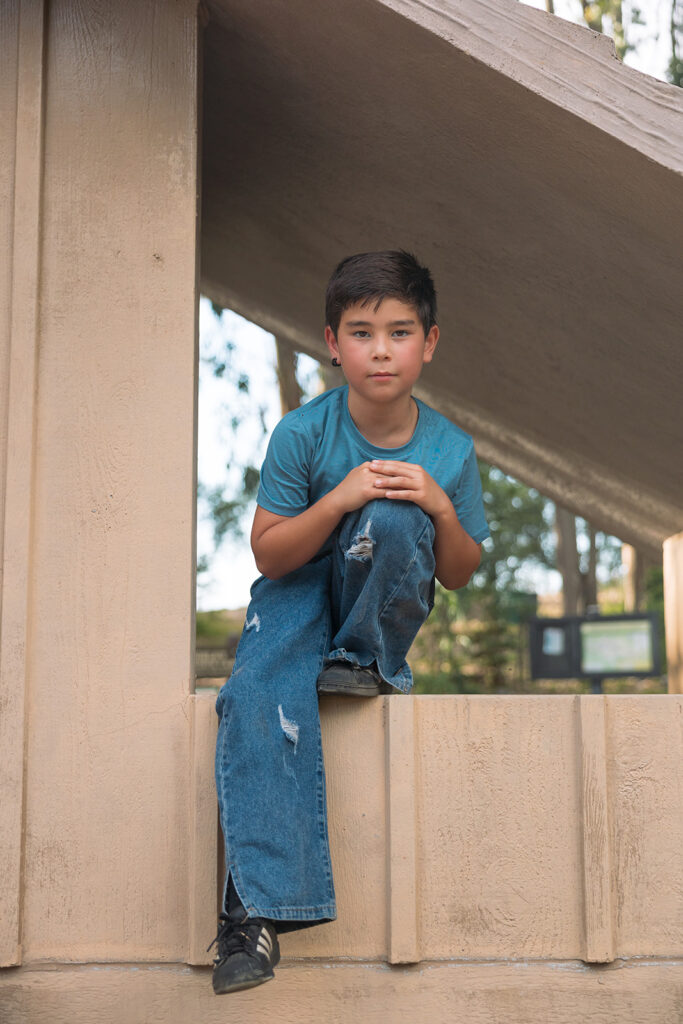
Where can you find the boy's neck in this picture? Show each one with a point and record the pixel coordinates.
(388, 425)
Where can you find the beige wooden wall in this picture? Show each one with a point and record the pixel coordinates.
(98, 213)
(491, 828)
(471, 834)
(494, 857)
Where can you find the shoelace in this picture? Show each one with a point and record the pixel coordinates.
(234, 938)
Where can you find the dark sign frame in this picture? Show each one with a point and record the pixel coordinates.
(566, 661)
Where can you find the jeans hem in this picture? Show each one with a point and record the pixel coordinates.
(324, 913)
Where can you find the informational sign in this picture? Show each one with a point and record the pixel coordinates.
(554, 648)
(594, 646)
(609, 647)
(553, 641)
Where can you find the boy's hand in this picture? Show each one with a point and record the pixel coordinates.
(407, 481)
(358, 487)
(457, 554)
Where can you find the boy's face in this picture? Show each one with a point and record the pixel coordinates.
(382, 352)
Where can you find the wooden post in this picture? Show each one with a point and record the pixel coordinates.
(19, 484)
(673, 610)
(599, 939)
(402, 879)
(99, 478)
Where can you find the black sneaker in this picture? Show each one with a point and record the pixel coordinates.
(247, 953)
(343, 677)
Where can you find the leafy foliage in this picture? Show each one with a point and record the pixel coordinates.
(470, 643)
(225, 504)
(519, 520)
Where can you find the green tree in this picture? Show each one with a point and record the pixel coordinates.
(521, 537)
(674, 71)
(225, 504)
(608, 17)
(471, 641)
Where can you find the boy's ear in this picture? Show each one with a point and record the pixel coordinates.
(430, 344)
(331, 342)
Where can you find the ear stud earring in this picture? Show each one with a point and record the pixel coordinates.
(335, 362)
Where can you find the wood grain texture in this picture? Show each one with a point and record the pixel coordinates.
(499, 843)
(536, 827)
(204, 828)
(645, 755)
(354, 751)
(402, 866)
(18, 462)
(107, 831)
(642, 992)
(598, 871)
(561, 61)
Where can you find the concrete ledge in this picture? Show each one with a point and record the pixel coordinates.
(471, 992)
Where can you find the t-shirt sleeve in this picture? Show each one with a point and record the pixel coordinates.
(468, 500)
(283, 485)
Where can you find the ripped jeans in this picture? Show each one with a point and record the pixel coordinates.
(362, 602)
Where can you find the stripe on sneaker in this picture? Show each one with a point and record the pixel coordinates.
(265, 943)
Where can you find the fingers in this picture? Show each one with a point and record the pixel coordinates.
(398, 472)
(392, 466)
(398, 483)
(395, 478)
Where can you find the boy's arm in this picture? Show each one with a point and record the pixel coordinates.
(284, 543)
(457, 555)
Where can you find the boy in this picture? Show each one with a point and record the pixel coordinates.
(366, 495)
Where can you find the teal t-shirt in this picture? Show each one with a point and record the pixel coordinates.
(313, 448)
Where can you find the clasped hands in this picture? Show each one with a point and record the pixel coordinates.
(387, 478)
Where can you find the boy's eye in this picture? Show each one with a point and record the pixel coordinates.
(400, 332)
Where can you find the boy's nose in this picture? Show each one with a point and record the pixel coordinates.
(381, 350)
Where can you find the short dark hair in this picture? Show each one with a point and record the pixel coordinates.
(379, 275)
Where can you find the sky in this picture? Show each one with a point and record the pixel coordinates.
(232, 570)
(221, 445)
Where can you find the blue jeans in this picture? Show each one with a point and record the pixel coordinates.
(364, 602)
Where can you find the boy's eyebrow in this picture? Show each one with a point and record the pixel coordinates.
(392, 323)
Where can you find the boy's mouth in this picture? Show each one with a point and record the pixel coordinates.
(382, 374)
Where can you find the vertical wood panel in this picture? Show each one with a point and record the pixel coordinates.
(547, 827)
(19, 482)
(355, 763)
(645, 755)
(599, 939)
(204, 829)
(108, 760)
(499, 832)
(402, 865)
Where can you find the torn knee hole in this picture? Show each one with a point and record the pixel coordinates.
(363, 544)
